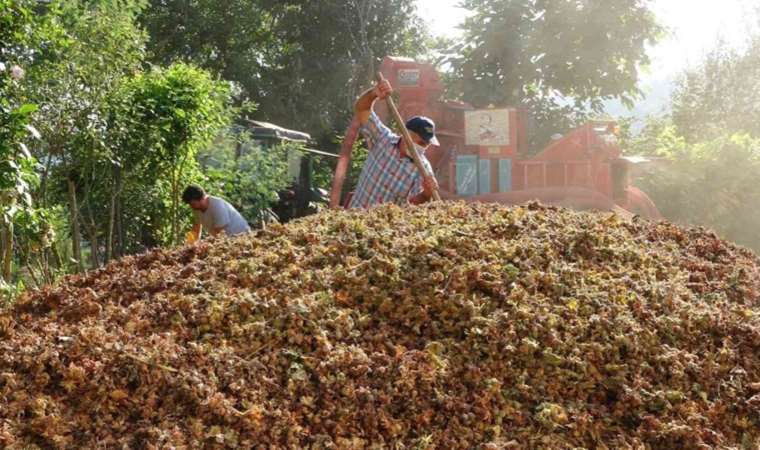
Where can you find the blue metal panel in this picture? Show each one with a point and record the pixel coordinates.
(505, 175)
(467, 175)
(484, 176)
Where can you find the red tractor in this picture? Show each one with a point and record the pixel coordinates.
(480, 156)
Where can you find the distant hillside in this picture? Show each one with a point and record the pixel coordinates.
(656, 100)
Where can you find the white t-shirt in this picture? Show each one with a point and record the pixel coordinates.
(220, 214)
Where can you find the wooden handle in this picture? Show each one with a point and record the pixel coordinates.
(411, 149)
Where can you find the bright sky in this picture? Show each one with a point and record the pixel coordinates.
(695, 25)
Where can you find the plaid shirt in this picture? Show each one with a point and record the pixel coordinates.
(386, 176)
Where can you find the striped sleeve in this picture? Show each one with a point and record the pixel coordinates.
(375, 131)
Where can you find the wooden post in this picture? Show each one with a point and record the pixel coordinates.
(565, 183)
(7, 251)
(76, 245)
(115, 193)
(344, 161)
(543, 174)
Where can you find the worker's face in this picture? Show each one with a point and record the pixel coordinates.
(418, 141)
(198, 205)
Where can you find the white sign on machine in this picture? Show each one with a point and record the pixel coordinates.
(487, 127)
(409, 77)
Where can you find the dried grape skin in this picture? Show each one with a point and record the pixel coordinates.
(444, 326)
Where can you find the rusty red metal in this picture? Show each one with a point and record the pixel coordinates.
(344, 161)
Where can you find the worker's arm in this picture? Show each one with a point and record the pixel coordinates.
(372, 128)
(363, 105)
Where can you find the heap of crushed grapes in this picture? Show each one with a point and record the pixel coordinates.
(449, 326)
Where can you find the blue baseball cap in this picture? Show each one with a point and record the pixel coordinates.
(424, 127)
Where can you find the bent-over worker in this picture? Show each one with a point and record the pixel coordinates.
(389, 173)
(213, 214)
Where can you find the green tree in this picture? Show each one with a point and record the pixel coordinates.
(98, 45)
(334, 47)
(659, 137)
(720, 94)
(560, 59)
(303, 62)
(710, 183)
(16, 175)
(166, 116)
(709, 145)
(16, 162)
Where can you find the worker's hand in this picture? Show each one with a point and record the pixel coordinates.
(429, 185)
(383, 89)
(191, 237)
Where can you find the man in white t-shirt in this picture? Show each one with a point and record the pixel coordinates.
(213, 214)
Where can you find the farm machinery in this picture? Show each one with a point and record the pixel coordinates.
(482, 152)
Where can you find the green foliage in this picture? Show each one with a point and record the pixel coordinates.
(16, 162)
(303, 62)
(324, 168)
(169, 112)
(116, 141)
(166, 116)
(558, 58)
(37, 229)
(9, 291)
(89, 47)
(42, 245)
(720, 95)
(249, 176)
(709, 146)
(712, 184)
(15, 24)
(98, 46)
(659, 137)
(17, 165)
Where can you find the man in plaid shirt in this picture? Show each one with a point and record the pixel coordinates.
(389, 173)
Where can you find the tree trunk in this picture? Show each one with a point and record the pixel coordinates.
(174, 212)
(7, 251)
(176, 176)
(29, 267)
(111, 227)
(57, 258)
(238, 150)
(2, 252)
(94, 243)
(45, 265)
(119, 227)
(76, 243)
(112, 213)
(44, 179)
